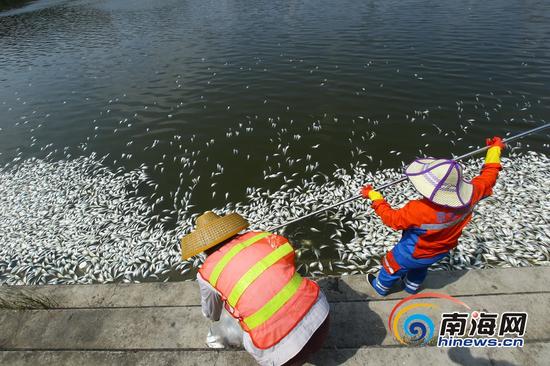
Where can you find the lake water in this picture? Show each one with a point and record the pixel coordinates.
(252, 84)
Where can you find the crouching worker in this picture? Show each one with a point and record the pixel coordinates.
(431, 225)
(252, 274)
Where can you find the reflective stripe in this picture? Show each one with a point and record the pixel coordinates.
(230, 254)
(446, 224)
(391, 270)
(388, 265)
(276, 302)
(411, 285)
(253, 273)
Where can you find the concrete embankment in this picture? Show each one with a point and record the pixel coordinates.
(161, 323)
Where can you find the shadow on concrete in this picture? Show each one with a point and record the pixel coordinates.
(352, 323)
(438, 282)
(463, 356)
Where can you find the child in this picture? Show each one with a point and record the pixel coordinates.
(431, 225)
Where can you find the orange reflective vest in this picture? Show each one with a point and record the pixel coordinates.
(257, 279)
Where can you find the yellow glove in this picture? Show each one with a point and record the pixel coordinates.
(493, 154)
(370, 193)
(375, 195)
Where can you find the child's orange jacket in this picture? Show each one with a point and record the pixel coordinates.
(430, 230)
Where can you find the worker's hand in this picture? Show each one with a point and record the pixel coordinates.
(493, 154)
(495, 141)
(368, 192)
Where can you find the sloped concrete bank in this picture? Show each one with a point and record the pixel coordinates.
(161, 323)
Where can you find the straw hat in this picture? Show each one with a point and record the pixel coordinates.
(210, 230)
(440, 181)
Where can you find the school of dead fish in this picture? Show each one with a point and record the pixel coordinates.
(77, 221)
(70, 218)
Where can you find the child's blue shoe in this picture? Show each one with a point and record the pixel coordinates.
(375, 285)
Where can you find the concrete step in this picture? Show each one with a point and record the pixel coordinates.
(161, 323)
(535, 354)
(353, 324)
(347, 288)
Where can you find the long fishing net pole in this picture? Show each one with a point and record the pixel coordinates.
(404, 178)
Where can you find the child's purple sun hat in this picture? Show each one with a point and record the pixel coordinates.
(440, 181)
